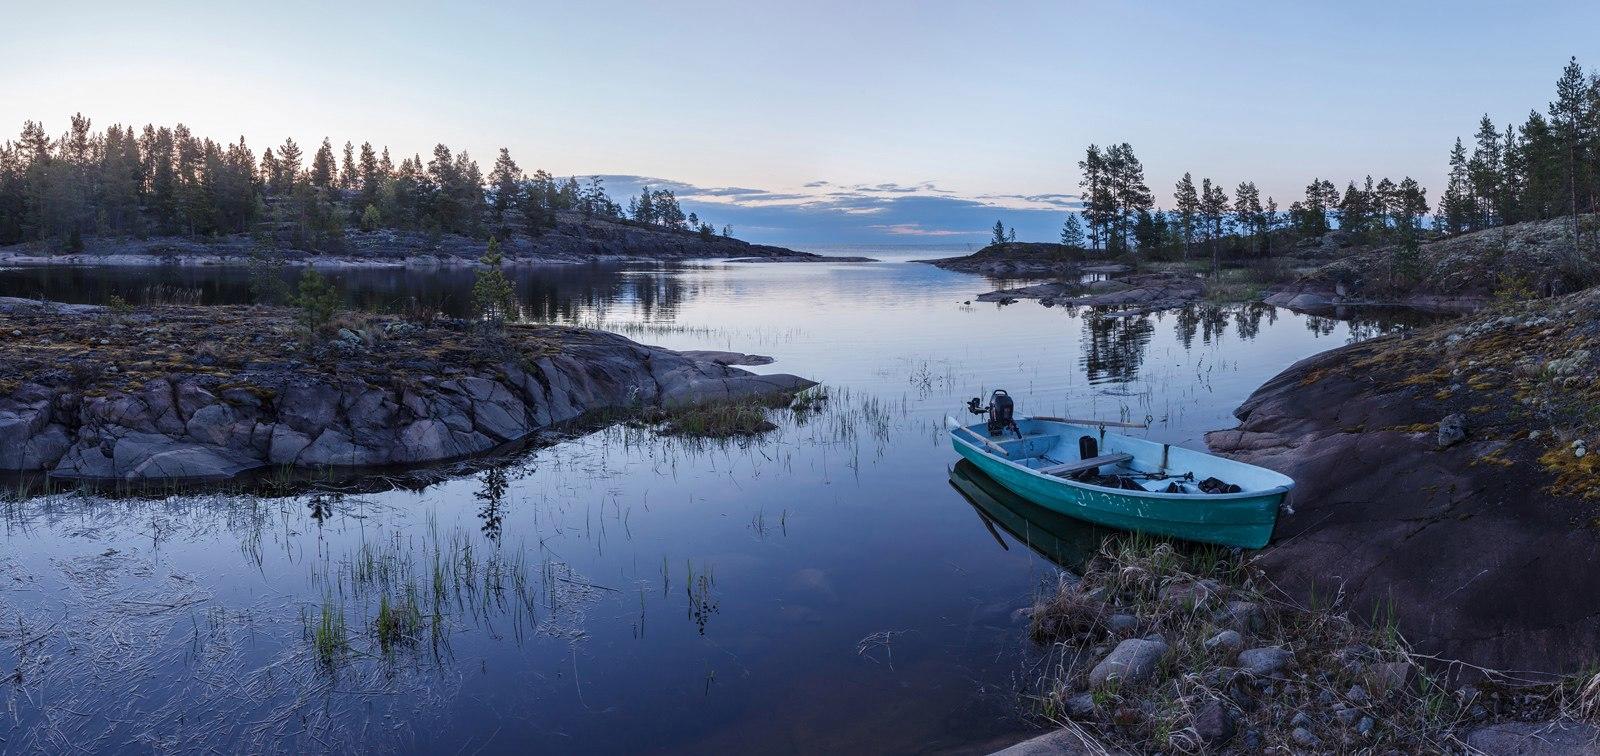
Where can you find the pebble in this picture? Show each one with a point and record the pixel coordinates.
(1347, 717)
(1227, 643)
(1214, 724)
(1080, 706)
(16, 333)
(1264, 661)
(1304, 737)
(1122, 624)
(1301, 719)
(1365, 725)
(1357, 694)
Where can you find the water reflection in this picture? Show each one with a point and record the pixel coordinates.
(546, 292)
(1068, 542)
(1114, 347)
(493, 495)
(628, 592)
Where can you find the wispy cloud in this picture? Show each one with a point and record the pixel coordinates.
(823, 211)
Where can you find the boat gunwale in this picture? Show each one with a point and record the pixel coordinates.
(1204, 497)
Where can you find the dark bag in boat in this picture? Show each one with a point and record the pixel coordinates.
(1214, 486)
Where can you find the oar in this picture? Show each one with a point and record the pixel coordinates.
(956, 425)
(1102, 423)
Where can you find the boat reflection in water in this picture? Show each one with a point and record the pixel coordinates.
(1066, 541)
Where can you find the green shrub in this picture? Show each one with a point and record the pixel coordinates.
(492, 293)
(318, 300)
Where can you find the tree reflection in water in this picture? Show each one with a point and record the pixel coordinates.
(493, 496)
(1114, 347)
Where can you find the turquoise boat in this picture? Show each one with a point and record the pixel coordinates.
(1077, 468)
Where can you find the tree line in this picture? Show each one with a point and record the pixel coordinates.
(1547, 167)
(1120, 214)
(124, 181)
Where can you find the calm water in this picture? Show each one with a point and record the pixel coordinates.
(829, 587)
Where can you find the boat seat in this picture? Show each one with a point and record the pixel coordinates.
(1086, 464)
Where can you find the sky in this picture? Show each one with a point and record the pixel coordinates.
(821, 122)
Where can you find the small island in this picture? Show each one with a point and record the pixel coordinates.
(206, 394)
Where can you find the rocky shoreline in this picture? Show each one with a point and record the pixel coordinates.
(1320, 298)
(1445, 473)
(573, 240)
(1139, 293)
(1022, 260)
(181, 394)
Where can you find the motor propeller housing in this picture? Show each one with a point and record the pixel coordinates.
(1001, 411)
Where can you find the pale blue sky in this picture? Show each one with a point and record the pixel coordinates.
(974, 107)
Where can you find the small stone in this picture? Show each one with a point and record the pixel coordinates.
(1452, 429)
(1080, 706)
(1262, 662)
(1227, 643)
(1133, 662)
(1244, 616)
(1122, 624)
(1365, 725)
(1300, 719)
(1357, 694)
(1304, 737)
(1214, 724)
(1347, 717)
(1189, 595)
(1390, 676)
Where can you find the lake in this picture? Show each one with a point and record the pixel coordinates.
(829, 586)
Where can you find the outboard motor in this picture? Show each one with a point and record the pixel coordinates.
(1001, 412)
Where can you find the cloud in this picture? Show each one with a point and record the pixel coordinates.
(824, 212)
(914, 229)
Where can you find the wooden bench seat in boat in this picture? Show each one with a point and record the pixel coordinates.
(1086, 464)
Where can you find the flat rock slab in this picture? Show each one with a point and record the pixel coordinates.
(1069, 741)
(1470, 546)
(726, 358)
(1535, 739)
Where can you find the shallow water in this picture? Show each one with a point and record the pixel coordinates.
(827, 587)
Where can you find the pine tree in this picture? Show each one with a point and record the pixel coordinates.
(1569, 118)
(1247, 210)
(505, 184)
(999, 233)
(324, 171)
(1455, 206)
(1072, 232)
(347, 171)
(1098, 200)
(1484, 175)
(1213, 216)
(492, 292)
(288, 167)
(1188, 204)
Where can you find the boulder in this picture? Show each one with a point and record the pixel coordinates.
(1131, 664)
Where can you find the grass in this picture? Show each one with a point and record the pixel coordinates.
(330, 638)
